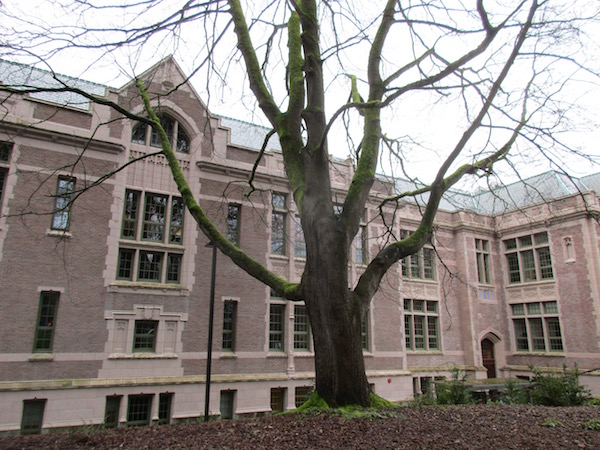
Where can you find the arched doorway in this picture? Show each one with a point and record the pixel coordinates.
(487, 355)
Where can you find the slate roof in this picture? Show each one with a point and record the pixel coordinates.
(24, 77)
(495, 201)
(249, 135)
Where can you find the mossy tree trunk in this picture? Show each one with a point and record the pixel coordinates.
(334, 309)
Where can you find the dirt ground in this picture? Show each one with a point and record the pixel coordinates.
(432, 427)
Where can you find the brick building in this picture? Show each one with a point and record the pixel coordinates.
(105, 302)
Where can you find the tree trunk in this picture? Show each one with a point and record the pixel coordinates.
(336, 321)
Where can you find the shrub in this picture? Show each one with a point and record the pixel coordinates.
(455, 391)
(513, 394)
(558, 389)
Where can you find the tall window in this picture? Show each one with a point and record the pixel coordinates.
(144, 336)
(111, 411)
(62, 203)
(301, 394)
(482, 252)
(276, 327)
(164, 407)
(46, 322)
(160, 222)
(421, 325)
(528, 258)
(364, 332)
(5, 152)
(33, 416)
(360, 245)
(233, 223)
(278, 399)
(537, 326)
(229, 318)
(299, 241)
(301, 329)
(278, 219)
(420, 265)
(174, 130)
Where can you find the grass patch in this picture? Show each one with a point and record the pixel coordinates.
(379, 408)
(552, 423)
(593, 424)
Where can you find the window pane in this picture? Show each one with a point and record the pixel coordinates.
(528, 265)
(432, 307)
(229, 316)
(233, 224)
(299, 242)
(550, 308)
(407, 304)
(125, 270)
(276, 327)
(150, 266)
(518, 309)
(432, 332)
(428, 261)
(415, 265)
(419, 329)
(62, 203)
(360, 246)
(138, 134)
(514, 275)
(168, 125)
(541, 238)
(407, 332)
(138, 410)
(164, 408)
(418, 305)
(144, 339)
(183, 142)
(554, 336)
(278, 234)
(521, 334)
(510, 244)
(545, 263)
(279, 201)
(525, 241)
(130, 214)
(176, 228)
(364, 332)
(301, 328)
(5, 151)
(537, 334)
(154, 217)
(47, 312)
(173, 268)
(534, 308)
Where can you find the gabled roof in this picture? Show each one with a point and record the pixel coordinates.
(24, 77)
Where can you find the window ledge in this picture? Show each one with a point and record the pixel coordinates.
(58, 233)
(134, 286)
(151, 245)
(280, 257)
(137, 356)
(273, 354)
(420, 280)
(303, 354)
(37, 357)
(549, 354)
(531, 283)
(228, 355)
(423, 352)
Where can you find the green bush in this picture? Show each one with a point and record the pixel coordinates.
(513, 394)
(558, 389)
(455, 391)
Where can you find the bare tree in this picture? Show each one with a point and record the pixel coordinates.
(500, 71)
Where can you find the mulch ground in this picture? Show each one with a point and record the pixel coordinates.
(432, 427)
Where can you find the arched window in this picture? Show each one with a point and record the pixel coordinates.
(174, 130)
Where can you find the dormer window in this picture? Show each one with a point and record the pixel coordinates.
(174, 130)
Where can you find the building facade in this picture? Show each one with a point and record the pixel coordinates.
(105, 279)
